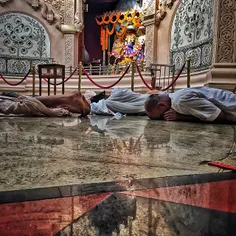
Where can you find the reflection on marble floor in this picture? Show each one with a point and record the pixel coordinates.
(193, 209)
(107, 177)
(41, 152)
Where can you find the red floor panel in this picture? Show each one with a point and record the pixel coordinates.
(45, 217)
(219, 196)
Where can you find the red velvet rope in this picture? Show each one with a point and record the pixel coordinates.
(62, 81)
(141, 76)
(164, 89)
(11, 84)
(103, 87)
(176, 78)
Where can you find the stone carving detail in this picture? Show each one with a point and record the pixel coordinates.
(46, 11)
(227, 31)
(69, 50)
(69, 13)
(69, 39)
(23, 40)
(149, 44)
(150, 8)
(169, 3)
(159, 12)
(79, 17)
(191, 34)
(59, 6)
(3, 2)
(153, 15)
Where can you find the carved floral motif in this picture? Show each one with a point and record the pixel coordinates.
(227, 31)
(191, 34)
(46, 11)
(24, 41)
(69, 39)
(149, 44)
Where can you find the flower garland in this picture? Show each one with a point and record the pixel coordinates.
(103, 39)
(100, 22)
(121, 21)
(106, 19)
(114, 18)
(122, 34)
(117, 18)
(112, 30)
(130, 17)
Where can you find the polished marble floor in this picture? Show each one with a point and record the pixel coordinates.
(102, 176)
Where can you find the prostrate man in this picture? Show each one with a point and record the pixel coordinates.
(52, 106)
(193, 104)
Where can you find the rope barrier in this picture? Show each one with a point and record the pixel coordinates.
(62, 81)
(172, 83)
(141, 76)
(105, 87)
(11, 84)
(176, 78)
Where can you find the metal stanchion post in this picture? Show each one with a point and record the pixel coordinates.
(108, 69)
(188, 72)
(132, 75)
(33, 80)
(80, 76)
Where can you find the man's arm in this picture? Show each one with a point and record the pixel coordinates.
(172, 115)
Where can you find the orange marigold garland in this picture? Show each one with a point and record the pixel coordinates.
(106, 19)
(117, 18)
(100, 22)
(106, 42)
(103, 38)
(122, 34)
(112, 30)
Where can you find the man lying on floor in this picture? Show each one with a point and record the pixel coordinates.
(193, 104)
(121, 101)
(52, 106)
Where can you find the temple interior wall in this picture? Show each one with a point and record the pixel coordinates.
(199, 30)
(183, 29)
(57, 40)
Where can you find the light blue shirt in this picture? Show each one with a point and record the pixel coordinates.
(204, 103)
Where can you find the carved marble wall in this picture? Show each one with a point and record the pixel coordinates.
(192, 34)
(46, 18)
(151, 31)
(226, 27)
(61, 19)
(23, 41)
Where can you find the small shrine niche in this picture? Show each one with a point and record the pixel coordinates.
(122, 37)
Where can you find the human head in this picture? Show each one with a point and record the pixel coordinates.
(156, 105)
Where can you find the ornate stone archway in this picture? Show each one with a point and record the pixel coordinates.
(24, 41)
(63, 20)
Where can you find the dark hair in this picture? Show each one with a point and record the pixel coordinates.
(151, 102)
(99, 97)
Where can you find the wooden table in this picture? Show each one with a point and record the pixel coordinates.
(49, 72)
